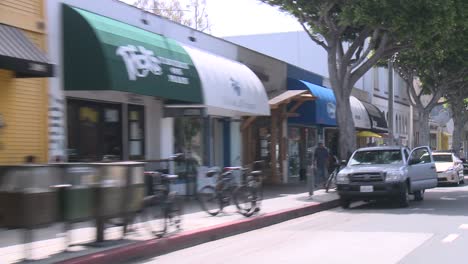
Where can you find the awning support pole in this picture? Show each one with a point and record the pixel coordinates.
(296, 106)
(274, 139)
(247, 122)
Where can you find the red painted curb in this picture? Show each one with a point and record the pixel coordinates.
(155, 247)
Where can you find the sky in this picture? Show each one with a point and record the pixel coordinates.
(245, 17)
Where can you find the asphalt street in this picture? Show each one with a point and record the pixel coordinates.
(432, 231)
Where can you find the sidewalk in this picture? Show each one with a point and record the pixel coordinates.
(281, 203)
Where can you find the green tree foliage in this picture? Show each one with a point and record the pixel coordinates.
(357, 34)
(458, 98)
(440, 65)
(193, 14)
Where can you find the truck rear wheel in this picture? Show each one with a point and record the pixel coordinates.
(419, 195)
(403, 198)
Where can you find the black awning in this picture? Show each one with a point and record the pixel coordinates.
(19, 54)
(377, 118)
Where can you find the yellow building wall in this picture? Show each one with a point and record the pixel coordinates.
(444, 141)
(23, 101)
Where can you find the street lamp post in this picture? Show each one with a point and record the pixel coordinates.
(390, 103)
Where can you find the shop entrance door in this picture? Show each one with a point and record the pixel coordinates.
(310, 142)
(301, 145)
(294, 157)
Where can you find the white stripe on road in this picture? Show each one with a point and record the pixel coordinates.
(463, 226)
(450, 238)
(448, 198)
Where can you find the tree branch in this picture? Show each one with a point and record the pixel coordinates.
(370, 47)
(357, 46)
(412, 92)
(420, 94)
(434, 100)
(314, 38)
(359, 72)
(327, 18)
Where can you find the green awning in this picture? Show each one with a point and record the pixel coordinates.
(104, 54)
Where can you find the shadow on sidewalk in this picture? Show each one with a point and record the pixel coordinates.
(270, 191)
(53, 233)
(280, 190)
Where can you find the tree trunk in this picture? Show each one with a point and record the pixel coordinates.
(345, 122)
(341, 86)
(424, 130)
(459, 119)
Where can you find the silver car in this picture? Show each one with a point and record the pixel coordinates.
(387, 172)
(449, 168)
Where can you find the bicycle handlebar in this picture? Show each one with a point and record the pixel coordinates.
(159, 174)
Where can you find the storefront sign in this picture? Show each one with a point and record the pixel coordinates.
(181, 112)
(37, 67)
(331, 110)
(140, 62)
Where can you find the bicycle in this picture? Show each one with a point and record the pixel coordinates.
(253, 182)
(213, 199)
(162, 208)
(331, 181)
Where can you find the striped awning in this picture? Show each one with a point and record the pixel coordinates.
(19, 54)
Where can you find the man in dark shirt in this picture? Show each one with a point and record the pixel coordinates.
(321, 157)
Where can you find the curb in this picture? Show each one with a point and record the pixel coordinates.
(155, 247)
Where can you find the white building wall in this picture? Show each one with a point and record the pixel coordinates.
(236, 148)
(166, 139)
(292, 47)
(295, 48)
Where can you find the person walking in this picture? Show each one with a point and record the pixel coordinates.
(321, 157)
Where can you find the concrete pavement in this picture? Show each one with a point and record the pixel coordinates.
(281, 203)
(432, 231)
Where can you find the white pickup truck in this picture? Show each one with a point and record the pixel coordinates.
(386, 173)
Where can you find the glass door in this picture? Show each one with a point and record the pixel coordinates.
(136, 132)
(294, 160)
(88, 133)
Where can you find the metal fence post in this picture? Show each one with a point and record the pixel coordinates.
(311, 180)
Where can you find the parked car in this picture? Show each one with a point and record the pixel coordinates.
(387, 173)
(449, 168)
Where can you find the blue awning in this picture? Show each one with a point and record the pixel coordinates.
(321, 111)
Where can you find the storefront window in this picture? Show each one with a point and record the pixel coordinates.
(294, 151)
(94, 131)
(188, 137)
(264, 139)
(136, 131)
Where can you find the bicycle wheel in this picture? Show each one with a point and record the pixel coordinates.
(330, 180)
(174, 211)
(245, 200)
(258, 197)
(154, 216)
(209, 200)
